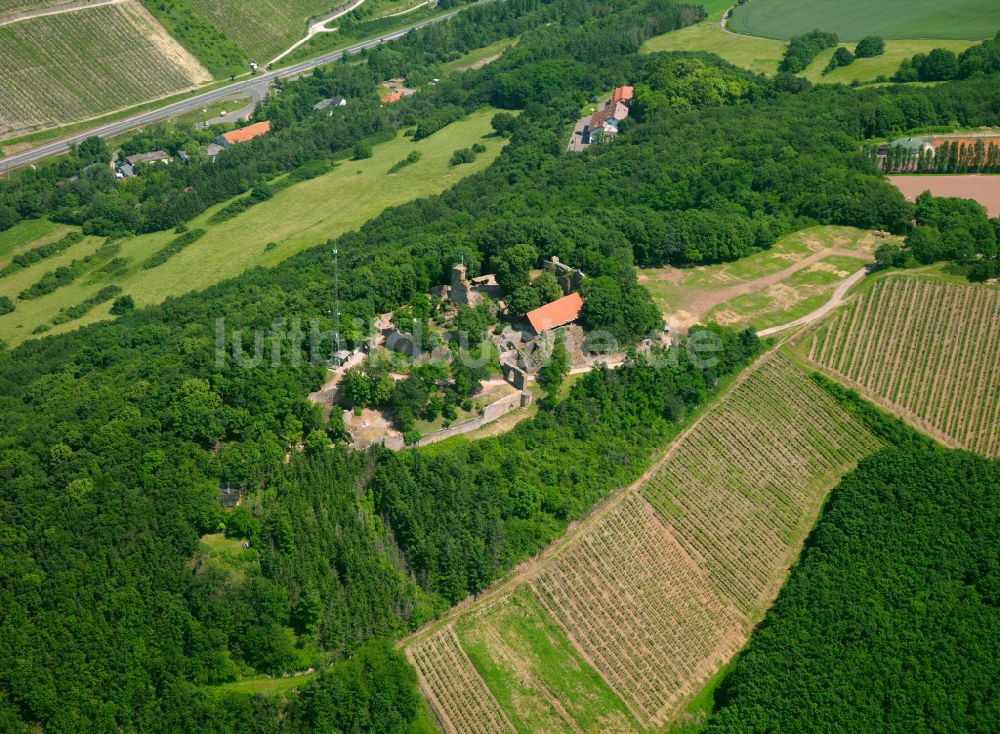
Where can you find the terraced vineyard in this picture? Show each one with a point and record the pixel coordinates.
(745, 487)
(457, 694)
(664, 585)
(13, 7)
(631, 598)
(264, 28)
(927, 350)
(76, 65)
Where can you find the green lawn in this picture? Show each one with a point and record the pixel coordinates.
(868, 70)
(27, 234)
(528, 663)
(266, 686)
(759, 55)
(298, 217)
(763, 54)
(853, 19)
(478, 57)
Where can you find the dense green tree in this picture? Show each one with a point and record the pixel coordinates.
(869, 46)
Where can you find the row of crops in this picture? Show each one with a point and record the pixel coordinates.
(71, 66)
(665, 586)
(632, 599)
(928, 350)
(263, 28)
(456, 692)
(747, 484)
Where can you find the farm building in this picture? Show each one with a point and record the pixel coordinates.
(244, 134)
(561, 311)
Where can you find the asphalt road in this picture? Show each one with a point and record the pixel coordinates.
(192, 103)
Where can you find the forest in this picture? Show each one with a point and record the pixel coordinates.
(899, 635)
(117, 435)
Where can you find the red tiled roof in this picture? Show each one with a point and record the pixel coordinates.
(248, 133)
(391, 97)
(963, 142)
(557, 313)
(622, 94)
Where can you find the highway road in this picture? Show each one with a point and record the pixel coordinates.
(192, 103)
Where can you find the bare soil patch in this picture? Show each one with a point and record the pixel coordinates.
(984, 189)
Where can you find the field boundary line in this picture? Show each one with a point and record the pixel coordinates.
(58, 10)
(528, 569)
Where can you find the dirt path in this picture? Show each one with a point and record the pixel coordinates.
(57, 10)
(530, 568)
(408, 10)
(835, 300)
(701, 305)
(316, 28)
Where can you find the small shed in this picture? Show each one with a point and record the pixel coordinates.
(230, 495)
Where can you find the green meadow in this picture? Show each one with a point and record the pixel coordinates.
(854, 19)
(761, 53)
(528, 663)
(298, 217)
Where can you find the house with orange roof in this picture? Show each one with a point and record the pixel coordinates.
(558, 313)
(243, 134)
(622, 94)
(391, 97)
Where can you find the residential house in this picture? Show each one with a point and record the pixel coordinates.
(557, 313)
(604, 123)
(622, 94)
(243, 134)
(230, 495)
(330, 102)
(391, 97)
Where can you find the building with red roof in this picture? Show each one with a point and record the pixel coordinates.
(557, 313)
(244, 134)
(622, 94)
(391, 97)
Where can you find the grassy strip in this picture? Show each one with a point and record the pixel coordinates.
(66, 274)
(35, 254)
(81, 309)
(172, 248)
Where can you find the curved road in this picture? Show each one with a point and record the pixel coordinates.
(171, 110)
(835, 300)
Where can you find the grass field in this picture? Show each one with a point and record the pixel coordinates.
(479, 57)
(928, 351)
(759, 55)
(868, 70)
(799, 294)
(298, 217)
(72, 66)
(534, 671)
(656, 593)
(854, 19)
(771, 287)
(29, 233)
(762, 55)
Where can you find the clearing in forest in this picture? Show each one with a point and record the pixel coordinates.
(772, 287)
(296, 218)
(926, 350)
(81, 64)
(616, 627)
